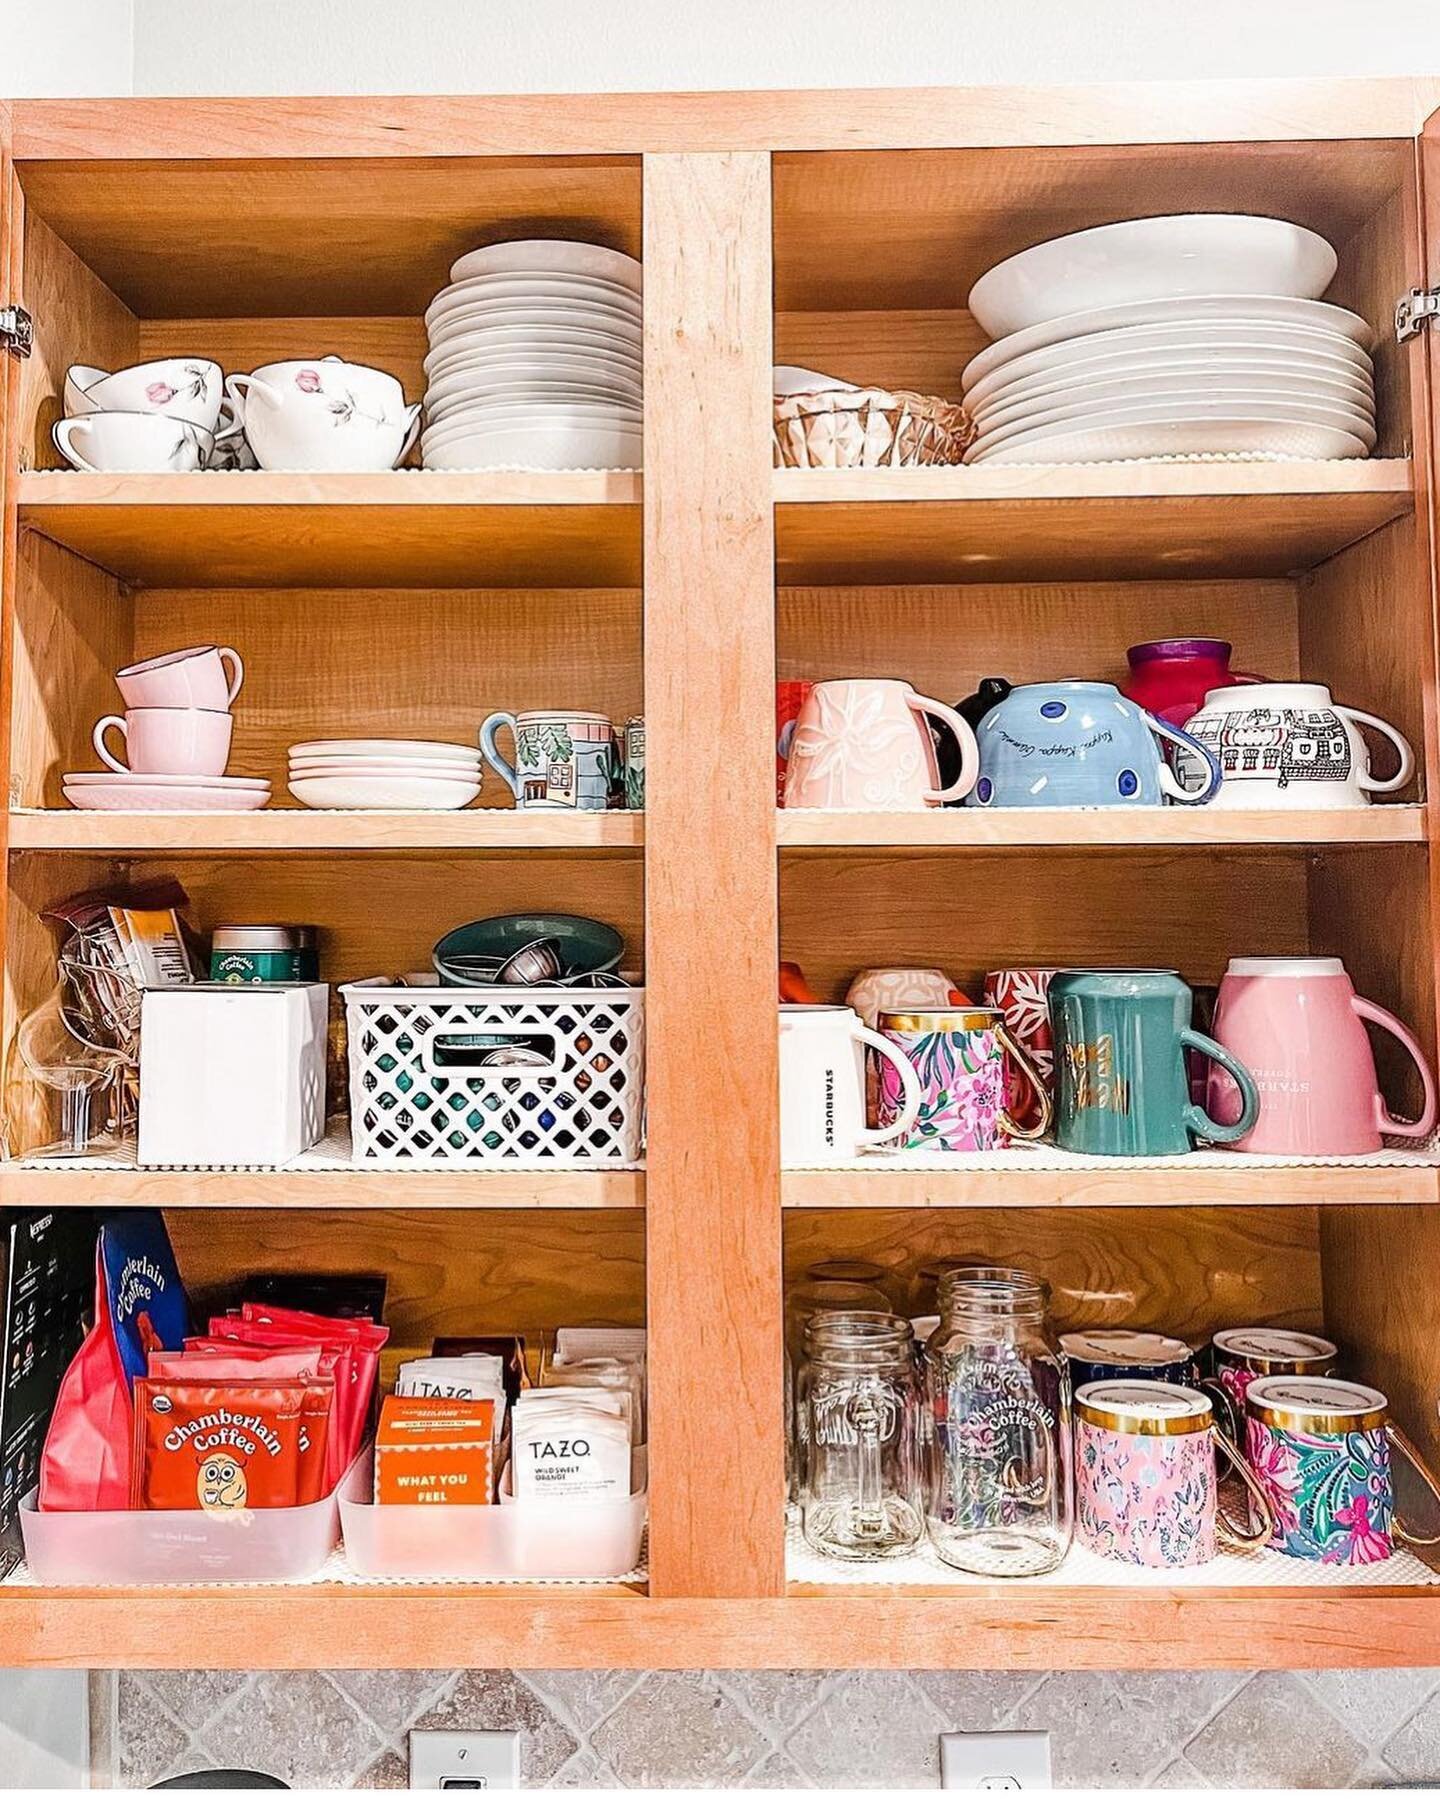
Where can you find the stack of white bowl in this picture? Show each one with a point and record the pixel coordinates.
(535, 359)
(370, 774)
(1197, 334)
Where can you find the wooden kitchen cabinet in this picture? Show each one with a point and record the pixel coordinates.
(825, 230)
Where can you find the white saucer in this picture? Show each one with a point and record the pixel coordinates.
(537, 255)
(220, 783)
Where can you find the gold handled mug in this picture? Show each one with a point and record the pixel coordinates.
(959, 1055)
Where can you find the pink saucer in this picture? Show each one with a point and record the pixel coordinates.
(139, 795)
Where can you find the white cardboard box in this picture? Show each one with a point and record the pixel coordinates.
(232, 1076)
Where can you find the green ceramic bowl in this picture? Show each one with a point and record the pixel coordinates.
(586, 945)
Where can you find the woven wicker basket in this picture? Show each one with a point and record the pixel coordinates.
(869, 427)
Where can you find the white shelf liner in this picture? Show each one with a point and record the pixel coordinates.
(338, 1572)
(1083, 1568)
(332, 1155)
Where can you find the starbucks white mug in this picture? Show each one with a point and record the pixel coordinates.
(822, 1086)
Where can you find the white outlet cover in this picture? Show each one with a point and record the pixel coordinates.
(458, 1761)
(995, 1761)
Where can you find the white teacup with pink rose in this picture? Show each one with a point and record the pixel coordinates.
(180, 387)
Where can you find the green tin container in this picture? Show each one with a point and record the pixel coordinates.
(250, 955)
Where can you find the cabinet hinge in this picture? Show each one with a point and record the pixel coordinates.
(1413, 311)
(17, 330)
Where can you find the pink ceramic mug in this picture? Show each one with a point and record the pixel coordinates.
(1299, 1026)
(206, 677)
(865, 746)
(168, 740)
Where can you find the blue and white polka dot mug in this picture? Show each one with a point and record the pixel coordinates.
(1082, 743)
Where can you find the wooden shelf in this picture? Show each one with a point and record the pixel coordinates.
(1006, 1625)
(295, 828)
(1114, 826)
(321, 1180)
(1091, 522)
(404, 529)
(1208, 1178)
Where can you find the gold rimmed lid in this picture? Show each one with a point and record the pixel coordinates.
(1143, 1408)
(941, 1018)
(1314, 1405)
(1268, 1351)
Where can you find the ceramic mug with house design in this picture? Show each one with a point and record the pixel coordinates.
(1289, 744)
(564, 761)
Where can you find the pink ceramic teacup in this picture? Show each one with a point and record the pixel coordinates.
(864, 745)
(207, 677)
(1299, 1026)
(168, 740)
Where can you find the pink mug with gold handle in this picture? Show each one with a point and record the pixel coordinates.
(864, 746)
(1299, 1027)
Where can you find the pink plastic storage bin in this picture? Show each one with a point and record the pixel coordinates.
(121, 1549)
(540, 1540)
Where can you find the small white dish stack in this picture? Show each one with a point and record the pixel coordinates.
(1197, 334)
(535, 359)
(378, 774)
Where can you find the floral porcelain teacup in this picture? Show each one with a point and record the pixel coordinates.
(181, 387)
(324, 414)
(132, 443)
(958, 1053)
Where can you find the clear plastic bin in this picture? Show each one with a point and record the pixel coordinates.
(540, 1540)
(121, 1549)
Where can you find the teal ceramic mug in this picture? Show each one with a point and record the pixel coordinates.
(1121, 1083)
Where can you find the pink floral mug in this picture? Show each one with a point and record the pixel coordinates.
(959, 1055)
(1321, 1450)
(1147, 1480)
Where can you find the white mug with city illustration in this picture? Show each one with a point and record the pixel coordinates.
(564, 761)
(1288, 743)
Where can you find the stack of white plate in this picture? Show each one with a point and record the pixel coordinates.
(535, 359)
(1200, 334)
(384, 773)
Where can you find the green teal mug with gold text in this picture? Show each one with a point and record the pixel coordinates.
(1121, 1083)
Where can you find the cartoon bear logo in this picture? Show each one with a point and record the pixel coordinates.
(220, 1484)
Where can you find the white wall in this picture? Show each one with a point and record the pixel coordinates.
(44, 1729)
(62, 47)
(508, 46)
(68, 47)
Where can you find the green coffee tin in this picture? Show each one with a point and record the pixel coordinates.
(246, 955)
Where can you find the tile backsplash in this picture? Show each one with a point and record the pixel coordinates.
(588, 1728)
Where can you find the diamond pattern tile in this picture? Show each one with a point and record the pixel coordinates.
(589, 1729)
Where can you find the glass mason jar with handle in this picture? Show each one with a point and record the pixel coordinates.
(1000, 1498)
(861, 1492)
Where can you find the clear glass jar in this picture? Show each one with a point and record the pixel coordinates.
(923, 1287)
(1000, 1490)
(860, 1410)
(822, 1290)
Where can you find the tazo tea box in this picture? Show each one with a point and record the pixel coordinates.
(434, 1451)
(568, 1444)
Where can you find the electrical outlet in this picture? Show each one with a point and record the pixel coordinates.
(458, 1761)
(995, 1761)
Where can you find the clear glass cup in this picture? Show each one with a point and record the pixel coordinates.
(860, 1409)
(923, 1297)
(1000, 1487)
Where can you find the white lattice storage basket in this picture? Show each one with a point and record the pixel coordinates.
(437, 1074)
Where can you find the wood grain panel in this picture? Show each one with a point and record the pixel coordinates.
(450, 1273)
(406, 530)
(923, 350)
(382, 914)
(371, 663)
(843, 911)
(857, 230)
(429, 125)
(713, 1180)
(943, 640)
(1000, 1625)
(74, 626)
(1185, 1273)
(1094, 522)
(320, 236)
(77, 319)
